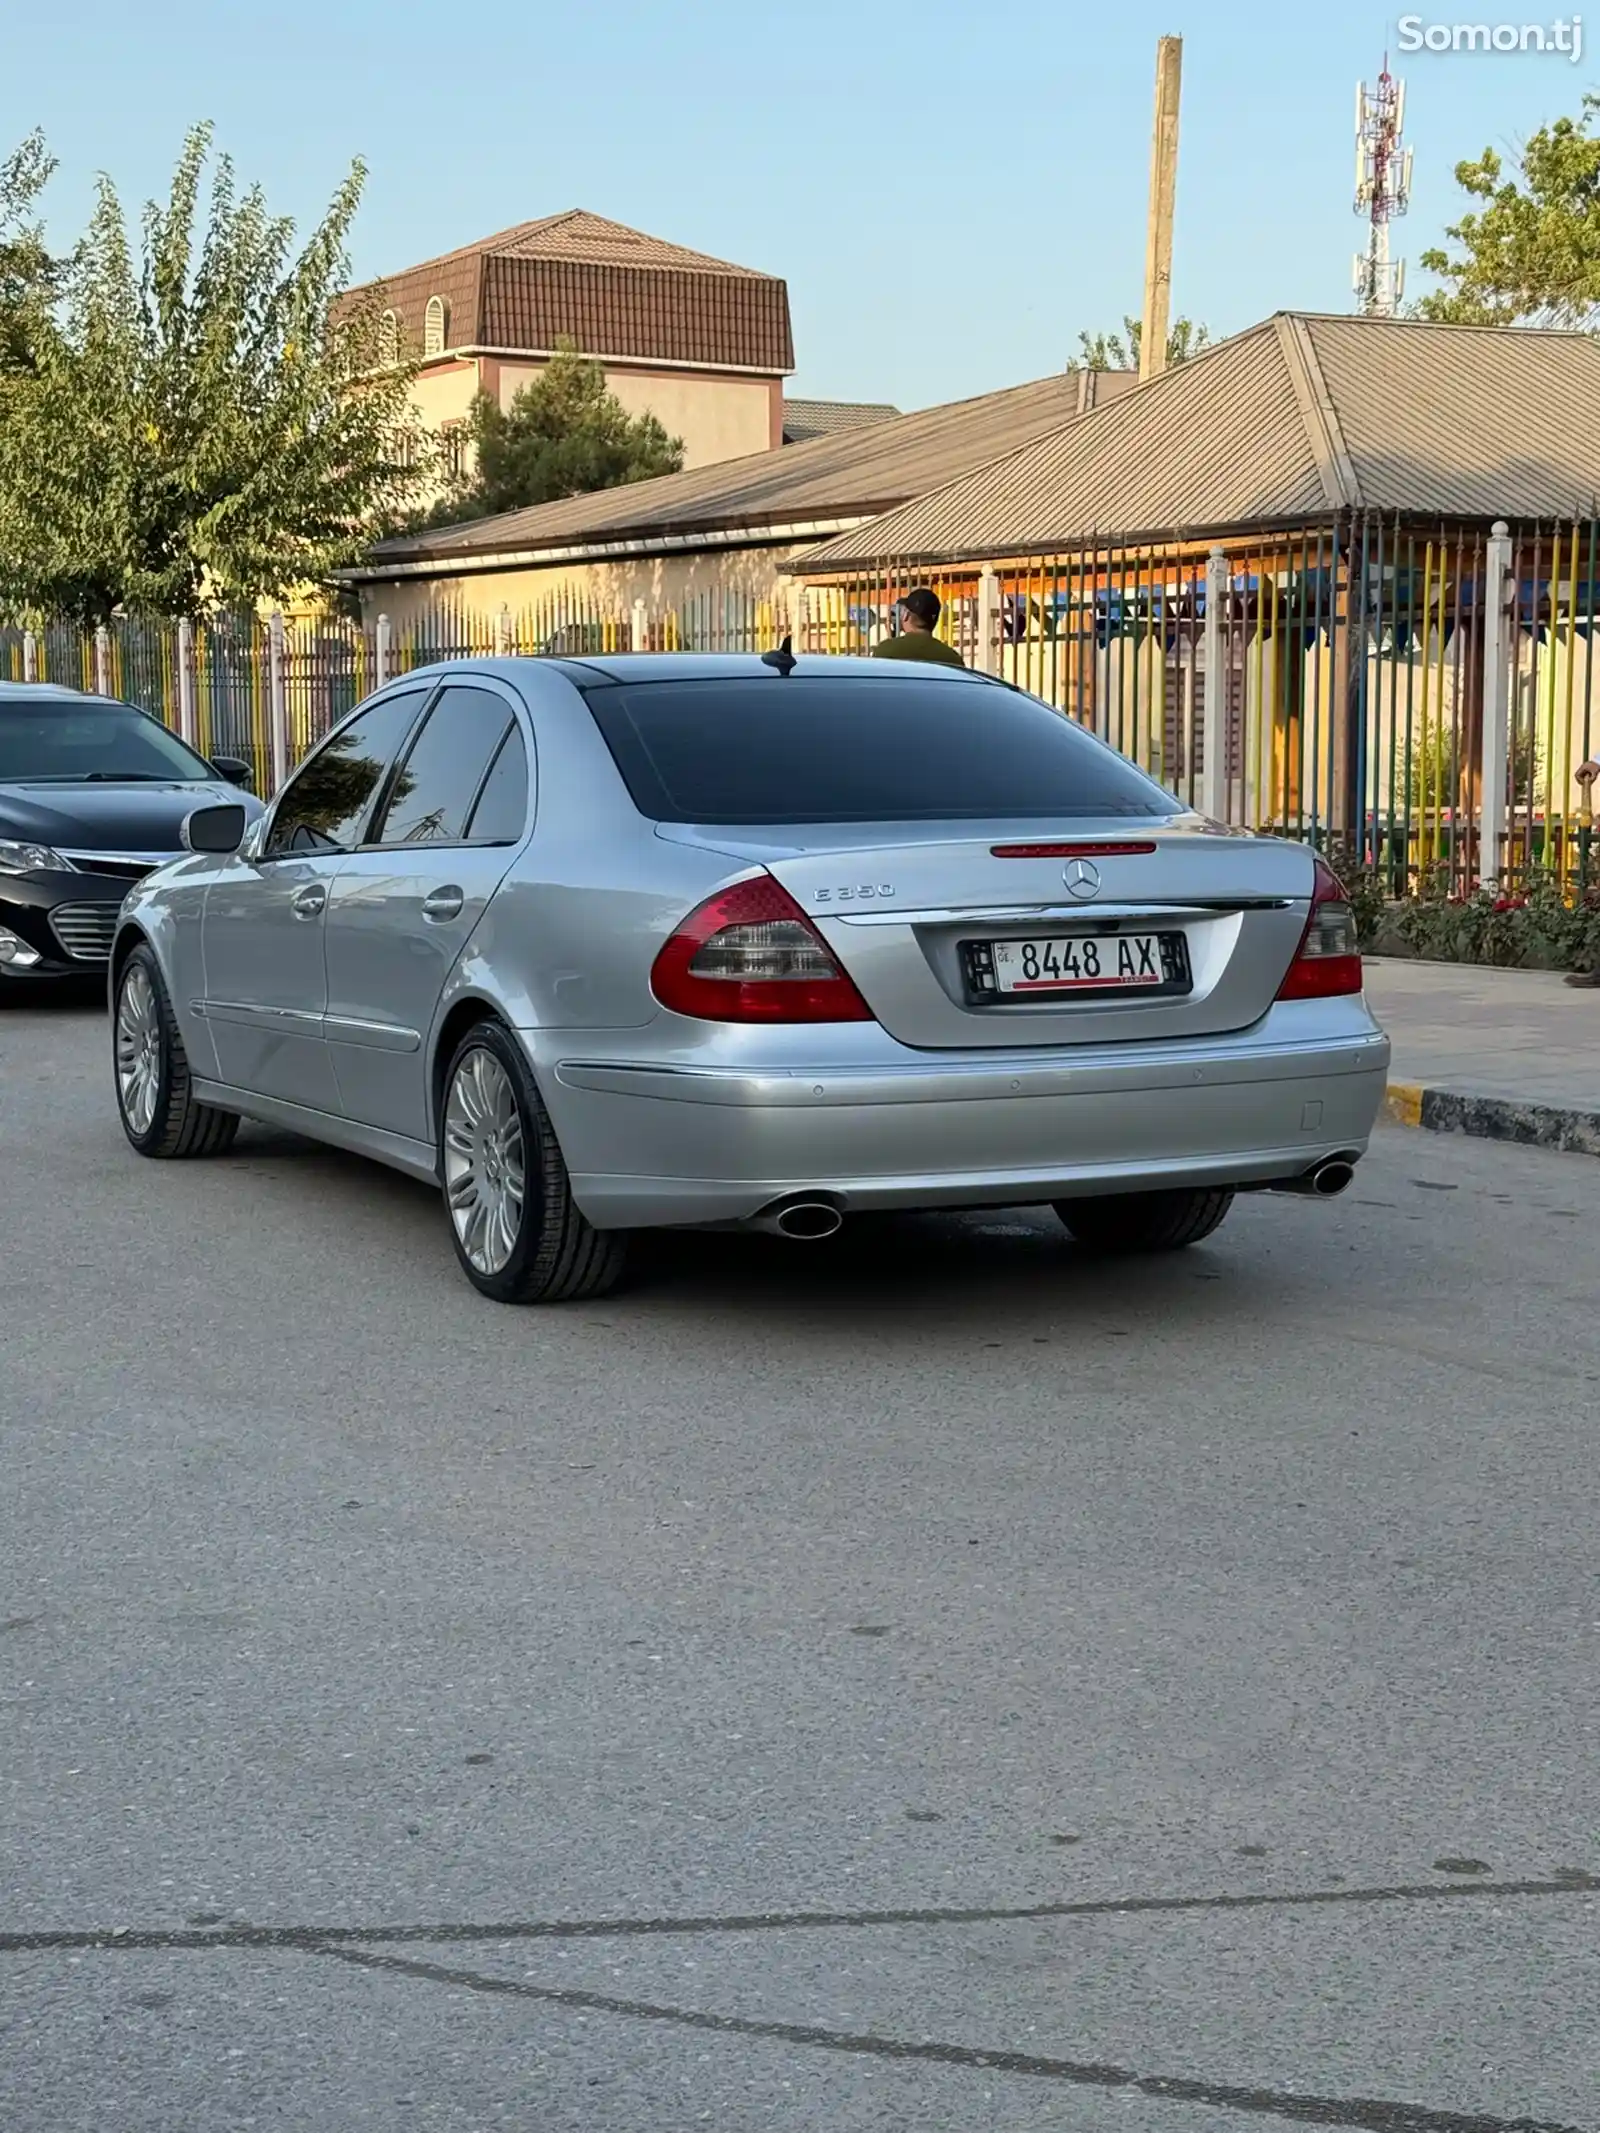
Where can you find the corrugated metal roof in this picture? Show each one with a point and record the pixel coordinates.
(853, 474)
(1296, 418)
(615, 291)
(805, 419)
(1465, 421)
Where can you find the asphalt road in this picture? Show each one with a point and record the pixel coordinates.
(930, 1681)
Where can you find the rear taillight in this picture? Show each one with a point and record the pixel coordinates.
(1329, 961)
(752, 955)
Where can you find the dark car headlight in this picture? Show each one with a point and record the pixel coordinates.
(24, 858)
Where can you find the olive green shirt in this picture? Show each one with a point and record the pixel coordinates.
(918, 644)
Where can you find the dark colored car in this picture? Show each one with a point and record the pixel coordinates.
(93, 796)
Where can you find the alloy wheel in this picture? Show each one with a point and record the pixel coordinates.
(485, 1170)
(138, 1049)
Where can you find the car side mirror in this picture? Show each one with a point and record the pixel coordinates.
(215, 829)
(234, 768)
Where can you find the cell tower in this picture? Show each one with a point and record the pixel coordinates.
(1383, 190)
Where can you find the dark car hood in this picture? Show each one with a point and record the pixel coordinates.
(110, 817)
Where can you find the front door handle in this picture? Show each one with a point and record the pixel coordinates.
(310, 901)
(443, 904)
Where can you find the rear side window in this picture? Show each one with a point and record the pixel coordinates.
(442, 775)
(501, 812)
(825, 749)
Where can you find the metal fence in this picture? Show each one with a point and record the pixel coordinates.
(1417, 701)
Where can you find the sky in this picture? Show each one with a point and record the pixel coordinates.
(951, 192)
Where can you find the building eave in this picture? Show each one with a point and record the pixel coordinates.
(493, 560)
(622, 362)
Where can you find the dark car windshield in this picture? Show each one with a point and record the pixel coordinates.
(835, 748)
(55, 736)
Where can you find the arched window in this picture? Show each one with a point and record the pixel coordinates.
(433, 325)
(388, 338)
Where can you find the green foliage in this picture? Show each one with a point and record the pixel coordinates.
(564, 434)
(188, 435)
(29, 276)
(1120, 351)
(1529, 922)
(1531, 253)
(1365, 890)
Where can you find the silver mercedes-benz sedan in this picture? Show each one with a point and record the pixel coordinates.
(620, 943)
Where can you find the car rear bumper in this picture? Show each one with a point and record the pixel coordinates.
(654, 1143)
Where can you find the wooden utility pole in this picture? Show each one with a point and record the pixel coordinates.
(1163, 189)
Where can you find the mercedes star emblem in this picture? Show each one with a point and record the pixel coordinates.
(1082, 878)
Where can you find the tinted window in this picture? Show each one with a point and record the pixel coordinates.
(502, 810)
(827, 749)
(324, 806)
(444, 768)
(50, 734)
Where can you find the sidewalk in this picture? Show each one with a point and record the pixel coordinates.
(1499, 1054)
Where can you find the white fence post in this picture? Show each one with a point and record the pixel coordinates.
(186, 718)
(797, 618)
(640, 639)
(1214, 716)
(385, 651)
(503, 633)
(102, 661)
(986, 653)
(1498, 648)
(278, 699)
(30, 656)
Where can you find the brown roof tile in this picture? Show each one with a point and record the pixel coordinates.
(615, 291)
(804, 419)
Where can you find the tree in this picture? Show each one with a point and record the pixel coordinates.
(1120, 351)
(564, 434)
(29, 276)
(189, 436)
(1531, 253)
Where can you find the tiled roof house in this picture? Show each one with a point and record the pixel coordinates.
(702, 344)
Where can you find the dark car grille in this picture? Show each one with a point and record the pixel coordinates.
(85, 931)
(122, 869)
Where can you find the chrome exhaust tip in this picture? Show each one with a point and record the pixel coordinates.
(1325, 1181)
(801, 1221)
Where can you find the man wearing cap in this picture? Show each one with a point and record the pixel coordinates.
(919, 613)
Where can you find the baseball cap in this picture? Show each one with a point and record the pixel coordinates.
(923, 604)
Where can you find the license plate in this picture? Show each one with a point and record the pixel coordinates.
(1076, 962)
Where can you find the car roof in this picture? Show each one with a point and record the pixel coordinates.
(35, 692)
(704, 666)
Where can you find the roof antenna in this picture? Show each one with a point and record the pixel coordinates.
(782, 659)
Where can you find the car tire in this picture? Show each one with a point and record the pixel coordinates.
(517, 1230)
(1145, 1221)
(160, 1112)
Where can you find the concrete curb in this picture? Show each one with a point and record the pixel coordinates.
(1493, 1118)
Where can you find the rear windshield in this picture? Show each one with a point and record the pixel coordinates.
(835, 749)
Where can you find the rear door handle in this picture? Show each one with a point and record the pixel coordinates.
(443, 904)
(310, 901)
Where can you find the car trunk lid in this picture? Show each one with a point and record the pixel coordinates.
(1150, 930)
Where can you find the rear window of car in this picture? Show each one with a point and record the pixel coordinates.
(815, 748)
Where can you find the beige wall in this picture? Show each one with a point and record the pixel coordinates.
(704, 588)
(444, 392)
(718, 417)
